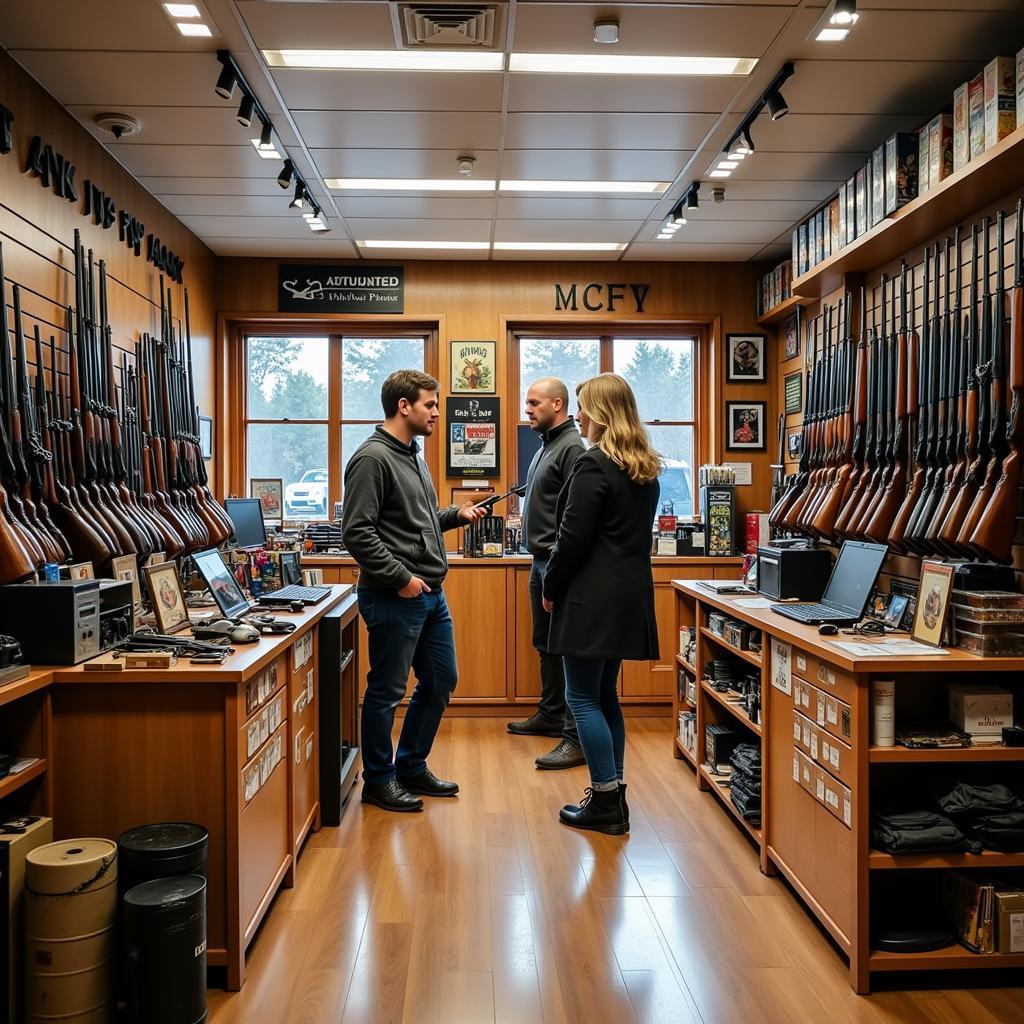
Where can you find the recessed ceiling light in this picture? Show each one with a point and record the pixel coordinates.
(410, 184)
(622, 64)
(193, 28)
(377, 243)
(719, 174)
(583, 186)
(388, 60)
(267, 154)
(182, 10)
(728, 165)
(664, 237)
(832, 35)
(561, 246)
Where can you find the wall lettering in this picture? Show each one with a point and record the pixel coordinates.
(596, 297)
(160, 256)
(100, 205)
(52, 169)
(130, 231)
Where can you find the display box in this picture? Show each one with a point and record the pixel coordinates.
(863, 177)
(940, 148)
(878, 185)
(851, 210)
(900, 170)
(719, 743)
(1009, 925)
(1020, 88)
(802, 264)
(961, 127)
(976, 114)
(835, 224)
(923, 143)
(1000, 99)
(980, 709)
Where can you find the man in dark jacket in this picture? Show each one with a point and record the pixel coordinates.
(394, 531)
(547, 407)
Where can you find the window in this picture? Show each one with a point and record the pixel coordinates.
(310, 402)
(571, 360)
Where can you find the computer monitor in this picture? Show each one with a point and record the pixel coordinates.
(856, 569)
(246, 515)
(291, 570)
(223, 586)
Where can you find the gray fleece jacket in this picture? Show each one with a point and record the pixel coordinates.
(391, 524)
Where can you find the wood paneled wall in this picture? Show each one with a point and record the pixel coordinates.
(480, 300)
(37, 229)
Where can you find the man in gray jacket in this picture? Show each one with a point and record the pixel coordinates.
(547, 408)
(393, 529)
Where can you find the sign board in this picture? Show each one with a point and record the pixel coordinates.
(338, 288)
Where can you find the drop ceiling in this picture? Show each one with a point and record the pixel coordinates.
(898, 67)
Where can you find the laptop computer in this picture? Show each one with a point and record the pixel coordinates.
(291, 574)
(849, 587)
(222, 584)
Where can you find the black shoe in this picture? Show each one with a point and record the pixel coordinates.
(536, 725)
(599, 812)
(390, 795)
(428, 784)
(566, 755)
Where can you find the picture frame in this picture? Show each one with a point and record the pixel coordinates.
(745, 358)
(164, 587)
(270, 491)
(206, 436)
(793, 389)
(791, 333)
(745, 426)
(81, 571)
(157, 558)
(794, 441)
(473, 368)
(893, 617)
(933, 592)
(312, 577)
(473, 442)
(124, 567)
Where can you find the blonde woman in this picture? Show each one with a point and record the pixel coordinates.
(599, 587)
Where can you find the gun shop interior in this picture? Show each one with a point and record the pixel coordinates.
(424, 428)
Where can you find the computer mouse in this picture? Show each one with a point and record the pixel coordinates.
(237, 633)
(827, 629)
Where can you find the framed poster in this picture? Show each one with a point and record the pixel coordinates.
(473, 367)
(473, 442)
(932, 602)
(793, 334)
(206, 436)
(744, 358)
(793, 387)
(81, 571)
(744, 424)
(270, 491)
(793, 441)
(165, 595)
(124, 568)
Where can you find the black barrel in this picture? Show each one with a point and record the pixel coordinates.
(160, 851)
(165, 942)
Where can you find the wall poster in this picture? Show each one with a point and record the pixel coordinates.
(474, 437)
(473, 369)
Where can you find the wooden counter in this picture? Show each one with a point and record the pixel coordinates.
(490, 603)
(233, 748)
(819, 767)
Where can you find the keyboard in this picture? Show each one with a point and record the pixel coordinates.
(812, 613)
(295, 592)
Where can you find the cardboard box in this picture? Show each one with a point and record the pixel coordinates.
(863, 178)
(1000, 99)
(980, 708)
(976, 114)
(900, 170)
(1009, 925)
(961, 127)
(923, 143)
(878, 185)
(940, 148)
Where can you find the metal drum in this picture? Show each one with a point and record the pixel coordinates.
(165, 944)
(70, 914)
(160, 851)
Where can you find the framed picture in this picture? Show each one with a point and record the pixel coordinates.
(81, 571)
(312, 577)
(165, 595)
(474, 438)
(793, 388)
(894, 613)
(793, 442)
(932, 602)
(157, 558)
(124, 568)
(270, 491)
(206, 436)
(793, 334)
(473, 367)
(744, 358)
(745, 426)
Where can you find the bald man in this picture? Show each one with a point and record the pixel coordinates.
(547, 408)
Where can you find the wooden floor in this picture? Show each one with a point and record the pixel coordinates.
(486, 909)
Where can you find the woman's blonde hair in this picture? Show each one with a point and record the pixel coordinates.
(611, 405)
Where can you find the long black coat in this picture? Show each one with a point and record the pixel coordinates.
(599, 575)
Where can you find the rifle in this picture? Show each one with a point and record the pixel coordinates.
(857, 477)
(779, 466)
(811, 435)
(827, 432)
(780, 512)
(817, 429)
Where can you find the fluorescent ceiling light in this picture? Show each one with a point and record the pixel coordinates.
(832, 35)
(664, 237)
(388, 60)
(728, 165)
(622, 64)
(193, 28)
(560, 246)
(583, 186)
(719, 174)
(182, 10)
(410, 184)
(376, 243)
(267, 154)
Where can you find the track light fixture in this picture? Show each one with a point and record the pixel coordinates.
(692, 202)
(842, 12)
(747, 139)
(742, 143)
(245, 111)
(300, 197)
(284, 179)
(225, 87)
(266, 140)
(776, 104)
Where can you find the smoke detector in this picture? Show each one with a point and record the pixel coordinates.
(718, 194)
(119, 125)
(606, 31)
(466, 164)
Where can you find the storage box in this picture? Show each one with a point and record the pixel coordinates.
(842, 216)
(980, 708)
(1000, 99)
(1020, 89)
(851, 210)
(940, 148)
(878, 185)
(834, 224)
(970, 903)
(961, 128)
(804, 266)
(863, 177)
(1009, 925)
(900, 170)
(923, 143)
(719, 743)
(976, 114)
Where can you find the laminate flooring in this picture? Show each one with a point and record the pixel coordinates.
(485, 909)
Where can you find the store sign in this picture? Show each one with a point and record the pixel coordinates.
(337, 288)
(600, 297)
(474, 441)
(57, 174)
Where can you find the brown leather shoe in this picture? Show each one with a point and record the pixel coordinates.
(536, 725)
(566, 755)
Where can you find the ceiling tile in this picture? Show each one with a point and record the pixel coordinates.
(318, 26)
(592, 165)
(513, 256)
(329, 246)
(722, 231)
(400, 163)
(564, 231)
(601, 94)
(574, 207)
(251, 226)
(661, 251)
(399, 129)
(401, 207)
(420, 230)
(607, 131)
(776, 166)
(832, 133)
(164, 186)
(234, 160)
(271, 205)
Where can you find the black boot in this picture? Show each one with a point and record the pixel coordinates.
(390, 795)
(599, 812)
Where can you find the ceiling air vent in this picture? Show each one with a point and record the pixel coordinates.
(449, 26)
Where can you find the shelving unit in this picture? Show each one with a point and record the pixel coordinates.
(686, 754)
(12, 783)
(749, 656)
(731, 706)
(877, 860)
(949, 959)
(943, 755)
(779, 313)
(26, 730)
(723, 795)
(682, 661)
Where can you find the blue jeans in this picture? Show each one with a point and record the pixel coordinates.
(405, 633)
(594, 700)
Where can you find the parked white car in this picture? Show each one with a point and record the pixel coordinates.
(307, 499)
